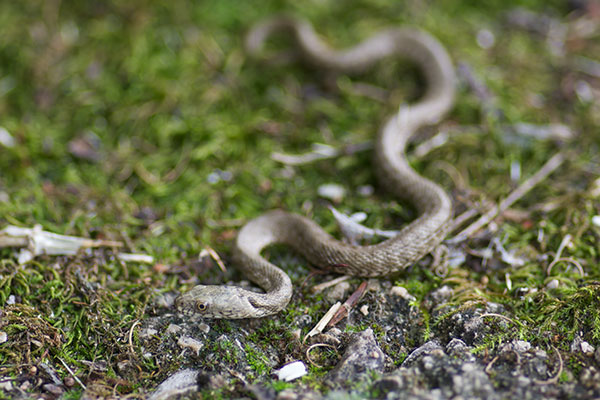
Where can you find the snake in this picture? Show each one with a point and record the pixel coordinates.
(415, 240)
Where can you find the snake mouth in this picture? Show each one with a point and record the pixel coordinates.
(183, 307)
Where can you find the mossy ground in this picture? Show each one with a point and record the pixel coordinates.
(180, 128)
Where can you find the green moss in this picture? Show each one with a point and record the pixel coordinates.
(257, 361)
(571, 311)
(226, 350)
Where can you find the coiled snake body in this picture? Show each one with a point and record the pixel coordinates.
(414, 241)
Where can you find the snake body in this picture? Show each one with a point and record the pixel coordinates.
(414, 241)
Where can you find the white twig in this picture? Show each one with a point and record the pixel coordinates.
(136, 257)
(209, 251)
(323, 322)
(38, 241)
(320, 152)
(319, 288)
(566, 259)
(563, 243)
(131, 336)
(355, 231)
(73, 374)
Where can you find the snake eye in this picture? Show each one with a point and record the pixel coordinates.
(201, 306)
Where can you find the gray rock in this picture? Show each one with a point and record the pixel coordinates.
(290, 394)
(521, 346)
(459, 349)
(181, 382)
(581, 346)
(262, 392)
(54, 389)
(467, 325)
(439, 296)
(421, 352)
(362, 354)
(430, 373)
(590, 378)
(339, 292)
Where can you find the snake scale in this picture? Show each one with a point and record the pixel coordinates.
(414, 241)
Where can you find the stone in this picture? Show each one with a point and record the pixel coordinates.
(181, 382)
(362, 354)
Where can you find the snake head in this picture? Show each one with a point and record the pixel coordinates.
(217, 302)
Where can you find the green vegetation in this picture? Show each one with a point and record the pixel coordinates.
(143, 122)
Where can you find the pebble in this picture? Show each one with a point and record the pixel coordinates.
(364, 310)
(191, 343)
(366, 190)
(204, 328)
(362, 354)
(54, 389)
(176, 385)
(584, 91)
(402, 293)
(553, 284)
(338, 292)
(485, 39)
(581, 346)
(6, 138)
(291, 371)
(332, 191)
(144, 333)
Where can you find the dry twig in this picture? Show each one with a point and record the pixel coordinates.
(348, 304)
(72, 374)
(319, 288)
(554, 379)
(551, 165)
(320, 152)
(322, 324)
(566, 259)
(309, 358)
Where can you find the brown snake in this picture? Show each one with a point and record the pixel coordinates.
(413, 242)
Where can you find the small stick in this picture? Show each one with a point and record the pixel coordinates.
(460, 219)
(320, 152)
(323, 322)
(488, 368)
(53, 375)
(499, 316)
(309, 358)
(73, 374)
(209, 251)
(348, 304)
(13, 241)
(566, 259)
(563, 243)
(554, 379)
(22, 241)
(131, 336)
(322, 286)
(552, 164)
